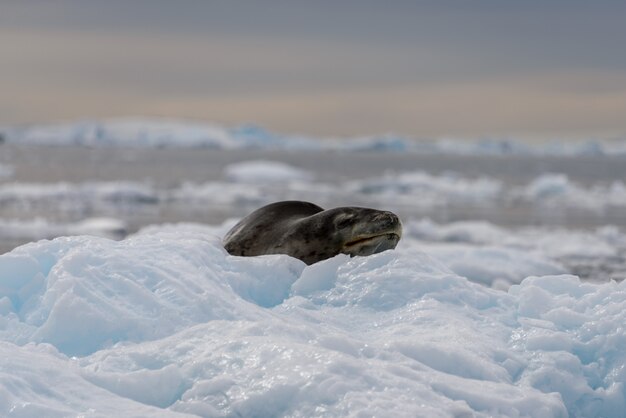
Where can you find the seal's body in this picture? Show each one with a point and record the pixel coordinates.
(306, 231)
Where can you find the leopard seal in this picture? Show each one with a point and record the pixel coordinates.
(306, 231)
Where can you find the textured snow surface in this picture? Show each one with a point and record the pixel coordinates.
(165, 323)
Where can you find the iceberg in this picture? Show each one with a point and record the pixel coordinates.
(170, 133)
(166, 323)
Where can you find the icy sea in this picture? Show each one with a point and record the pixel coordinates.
(505, 297)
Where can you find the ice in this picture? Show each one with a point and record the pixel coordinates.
(217, 193)
(102, 208)
(78, 198)
(552, 242)
(548, 185)
(124, 132)
(432, 190)
(499, 257)
(494, 266)
(477, 232)
(553, 190)
(156, 133)
(37, 381)
(461, 319)
(255, 183)
(149, 304)
(262, 171)
(166, 323)
(38, 228)
(556, 190)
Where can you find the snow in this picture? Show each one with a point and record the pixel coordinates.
(160, 133)
(166, 323)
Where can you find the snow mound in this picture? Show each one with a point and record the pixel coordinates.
(166, 323)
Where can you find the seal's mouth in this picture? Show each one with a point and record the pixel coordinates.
(383, 235)
(370, 239)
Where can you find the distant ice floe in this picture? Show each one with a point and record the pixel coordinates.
(172, 133)
(431, 190)
(123, 132)
(552, 242)
(261, 171)
(553, 190)
(251, 184)
(258, 182)
(165, 323)
(557, 190)
(498, 256)
(77, 198)
(38, 228)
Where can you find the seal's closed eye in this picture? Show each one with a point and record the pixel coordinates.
(344, 221)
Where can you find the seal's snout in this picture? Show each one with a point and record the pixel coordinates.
(378, 231)
(386, 219)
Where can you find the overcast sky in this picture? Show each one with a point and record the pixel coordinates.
(424, 68)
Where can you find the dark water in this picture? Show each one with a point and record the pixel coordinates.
(168, 167)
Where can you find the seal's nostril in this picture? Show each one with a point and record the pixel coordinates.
(381, 217)
(389, 217)
(385, 219)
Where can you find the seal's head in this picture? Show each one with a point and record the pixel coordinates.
(306, 231)
(363, 231)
